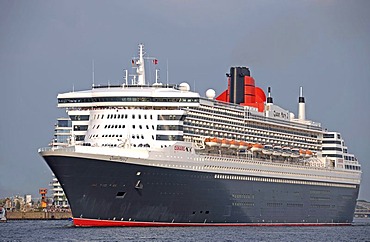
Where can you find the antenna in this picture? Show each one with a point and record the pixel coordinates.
(93, 72)
(167, 73)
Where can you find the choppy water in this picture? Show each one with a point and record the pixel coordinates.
(36, 230)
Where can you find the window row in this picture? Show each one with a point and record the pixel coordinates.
(332, 142)
(240, 196)
(64, 123)
(170, 137)
(332, 155)
(350, 167)
(172, 117)
(124, 116)
(80, 137)
(133, 145)
(351, 158)
(116, 126)
(281, 180)
(80, 127)
(331, 136)
(332, 148)
(170, 127)
(139, 136)
(79, 117)
(128, 99)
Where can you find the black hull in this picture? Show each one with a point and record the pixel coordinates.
(108, 190)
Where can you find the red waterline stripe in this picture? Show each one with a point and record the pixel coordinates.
(85, 222)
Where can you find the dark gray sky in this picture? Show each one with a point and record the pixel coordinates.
(46, 47)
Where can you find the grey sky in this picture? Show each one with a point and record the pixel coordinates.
(46, 47)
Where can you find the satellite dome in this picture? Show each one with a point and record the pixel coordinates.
(157, 84)
(184, 87)
(210, 93)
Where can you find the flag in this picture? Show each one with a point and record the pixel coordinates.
(155, 61)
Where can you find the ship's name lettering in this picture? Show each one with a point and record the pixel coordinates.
(182, 148)
(118, 158)
(280, 114)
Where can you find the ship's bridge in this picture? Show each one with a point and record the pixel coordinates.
(129, 116)
(133, 95)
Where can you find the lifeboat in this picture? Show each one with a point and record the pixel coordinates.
(256, 147)
(308, 153)
(267, 150)
(212, 142)
(294, 153)
(277, 150)
(302, 153)
(225, 143)
(286, 152)
(234, 144)
(243, 145)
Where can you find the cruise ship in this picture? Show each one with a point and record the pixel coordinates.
(154, 154)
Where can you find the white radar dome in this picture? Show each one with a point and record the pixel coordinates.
(157, 84)
(184, 87)
(210, 93)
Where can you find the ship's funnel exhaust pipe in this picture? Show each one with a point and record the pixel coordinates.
(242, 86)
(301, 106)
(269, 98)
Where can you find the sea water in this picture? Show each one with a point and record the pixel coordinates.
(62, 230)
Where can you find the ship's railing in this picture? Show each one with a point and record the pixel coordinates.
(148, 85)
(69, 149)
(315, 126)
(309, 163)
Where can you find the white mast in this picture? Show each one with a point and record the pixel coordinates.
(140, 66)
(126, 77)
(156, 76)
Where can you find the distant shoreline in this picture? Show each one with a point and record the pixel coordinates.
(38, 215)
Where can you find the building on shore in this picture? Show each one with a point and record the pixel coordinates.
(59, 198)
(362, 209)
